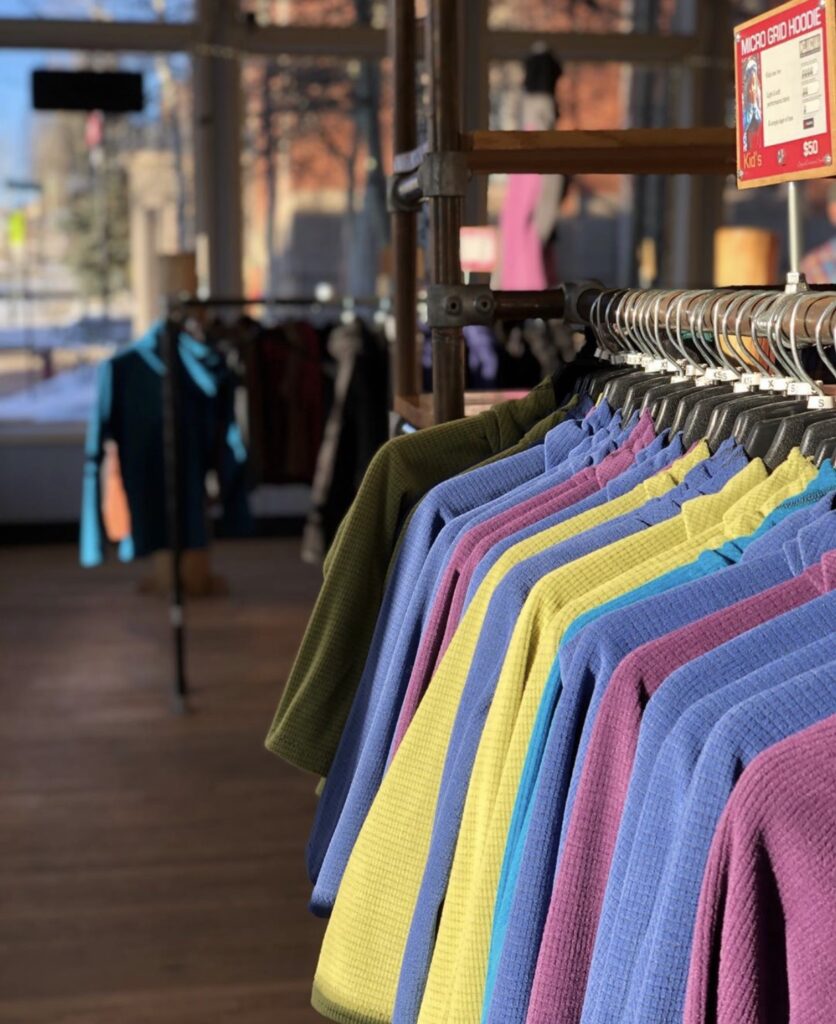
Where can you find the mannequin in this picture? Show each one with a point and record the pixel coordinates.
(529, 213)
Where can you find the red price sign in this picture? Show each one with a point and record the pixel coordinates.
(785, 94)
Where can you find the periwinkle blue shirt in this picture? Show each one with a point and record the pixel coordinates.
(638, 861)
(503, 611)
(440, 518)
(761, 710)
(543, 802)
(489, 560)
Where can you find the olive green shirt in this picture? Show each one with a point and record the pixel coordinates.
(320, 689)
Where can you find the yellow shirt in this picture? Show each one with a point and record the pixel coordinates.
(358, 969)
(455, 986)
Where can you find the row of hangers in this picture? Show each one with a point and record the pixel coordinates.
(709, 383)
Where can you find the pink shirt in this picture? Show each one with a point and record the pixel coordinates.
(765, 937)
(448, 602)
(580, 883)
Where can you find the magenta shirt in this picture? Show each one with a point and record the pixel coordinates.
(448, 602)
(765, 935)
(568, 939)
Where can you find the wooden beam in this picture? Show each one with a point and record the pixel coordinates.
(630, 151)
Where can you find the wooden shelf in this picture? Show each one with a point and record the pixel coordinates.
(632, 151)
(418, 409)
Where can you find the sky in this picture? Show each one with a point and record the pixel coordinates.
(16, 66)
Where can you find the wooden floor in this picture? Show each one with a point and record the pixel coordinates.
(151, 867)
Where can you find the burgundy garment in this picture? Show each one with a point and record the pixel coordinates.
(764, 947)
(580, 882)
(448, 602)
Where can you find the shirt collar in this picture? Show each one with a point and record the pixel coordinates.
(787, 480)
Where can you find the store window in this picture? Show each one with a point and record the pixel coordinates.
(316, 154)
(324, 13)
(100, 10)
(85, 203)
(593, 234)
(582, 15)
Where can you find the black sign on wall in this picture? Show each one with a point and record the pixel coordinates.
(113, 92)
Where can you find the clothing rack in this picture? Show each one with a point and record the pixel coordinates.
(438, 172)
(178, 310)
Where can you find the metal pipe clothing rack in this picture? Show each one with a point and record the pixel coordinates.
(438, 172)
(177, 313)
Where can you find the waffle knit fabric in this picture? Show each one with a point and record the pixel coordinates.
(456, 979)
(584, 860)
(770, 715)
(365, 785)
(357, 766)
(766, 923)
(444, 617)
(531, 851)
(363, 947)
(657, 790)
(318, 694)
(820, 487)
(480, 543)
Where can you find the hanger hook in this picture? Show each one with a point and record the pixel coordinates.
(831, 308)
(697, 317)
(721, 303)
(800, 299)
(680, 344)
(775, 333)
(738, 298)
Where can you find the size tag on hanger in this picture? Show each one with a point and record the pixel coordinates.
(783, 67)
(821, 402)
(777, 385)
(799, 387)
(749, 381)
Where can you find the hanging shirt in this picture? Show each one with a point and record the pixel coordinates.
(440, 517)
(129, 411)
(781, 704)
(446, 610)
(457, 976)
(390, 853)
(647, 810)
(364, 784)
(318, 694)
(591, 830)
(533, 839)
(766, 923)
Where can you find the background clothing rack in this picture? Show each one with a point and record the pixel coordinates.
(177, 313)
(438, 171)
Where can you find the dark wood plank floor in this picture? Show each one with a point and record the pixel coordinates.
(151, 867)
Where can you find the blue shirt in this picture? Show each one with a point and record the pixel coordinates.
(361, 756)
(765, 707)
(637, 867)
(437, 521)
(504, 609)
(543, 803)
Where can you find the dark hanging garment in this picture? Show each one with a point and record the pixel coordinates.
(129, 411)
(286, 403)
(357, 425)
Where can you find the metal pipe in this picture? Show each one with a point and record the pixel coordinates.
(172, 457)
(402, 47)
(442, 53)
(795, 225)
(408, 190)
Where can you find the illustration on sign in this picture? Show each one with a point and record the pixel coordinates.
(783, 95)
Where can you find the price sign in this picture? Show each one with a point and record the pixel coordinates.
(784, 87)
